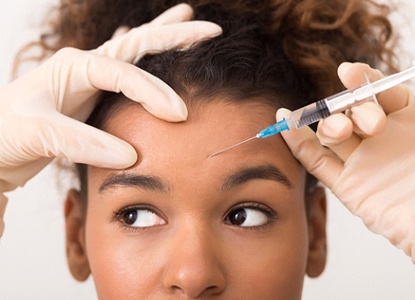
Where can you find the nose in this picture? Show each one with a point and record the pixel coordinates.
(194, 269)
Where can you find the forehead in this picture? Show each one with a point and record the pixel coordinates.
(171, 150)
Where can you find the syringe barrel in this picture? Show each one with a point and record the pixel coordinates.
(348, 99)
(321, 109)
(345, 100)
(311, 113)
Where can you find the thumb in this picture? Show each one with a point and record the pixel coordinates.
(305, 146)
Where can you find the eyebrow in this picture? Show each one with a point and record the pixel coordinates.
(267, 172)
(155, 183)
(147, 182)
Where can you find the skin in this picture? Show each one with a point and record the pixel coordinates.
(196, 249)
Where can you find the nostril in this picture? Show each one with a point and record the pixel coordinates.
(213, 290)
(175, 288)
(210, 290)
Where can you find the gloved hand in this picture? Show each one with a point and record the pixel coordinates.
(369, 162)
(41, 114)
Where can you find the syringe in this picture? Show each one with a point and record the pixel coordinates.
(334, 104)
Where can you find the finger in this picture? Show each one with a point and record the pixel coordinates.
(393, 99)
(319, 161)
(120, 32)
(85, 74)
(61, 136)
(53, 135)
(336, 132)
(155, 39)
(167, 37)
(369, 119)
(355, 74)
(156, 96)
(179, 13)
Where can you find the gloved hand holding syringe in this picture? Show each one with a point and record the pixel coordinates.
(366, 158)
(334, 104)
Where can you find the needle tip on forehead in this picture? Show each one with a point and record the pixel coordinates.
(233, 146)
(217, 153)
(214, 154)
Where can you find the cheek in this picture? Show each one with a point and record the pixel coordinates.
(120, 269)
(289, 268)
(276, 266)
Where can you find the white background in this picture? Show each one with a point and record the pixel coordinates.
(32, 254)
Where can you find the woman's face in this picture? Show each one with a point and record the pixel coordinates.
(181, 225)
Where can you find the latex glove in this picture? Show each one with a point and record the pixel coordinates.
(369, 162)
(41, 114)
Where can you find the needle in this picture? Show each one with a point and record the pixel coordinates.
(323, 108)
(226, 149)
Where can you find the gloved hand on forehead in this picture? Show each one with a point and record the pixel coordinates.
(369, 159)
(41, 113)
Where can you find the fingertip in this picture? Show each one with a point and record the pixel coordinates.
(369, 118)
(285, 113)
(334, 129)
(181, 111)
(178, 13)
(91, 146)
(355, 74)
(343, 69)
(293, 137)
(282, 113)
(184, 10)
(205, 29)
(175, 112)
(184, 7)
(215, 29)
(155, 96)
(120, 31)
(127, 158)
(169, 105)
(117, 155)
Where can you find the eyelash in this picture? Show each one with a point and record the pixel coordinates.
(271, 215)
(118, 215)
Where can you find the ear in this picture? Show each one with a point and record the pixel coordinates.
(317, 212)
(75, 237)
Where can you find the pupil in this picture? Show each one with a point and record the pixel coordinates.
(238, 217)
(130, 217)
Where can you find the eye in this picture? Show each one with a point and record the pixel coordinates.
(139, 217)
(250, 216)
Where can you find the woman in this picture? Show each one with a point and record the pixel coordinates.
(286, 94)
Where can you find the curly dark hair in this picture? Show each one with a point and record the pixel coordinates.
(315, 35)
